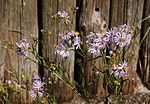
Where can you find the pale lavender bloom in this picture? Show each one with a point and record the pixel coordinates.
(119, 35)
(122, 39)
(37, 84)
(35, 93)
(91, 37)
(124, 28)
(72, 33)
(77, 42)
(96, 41)
(124, 66)
(110, 34)
(36, 77)
(64, 16)
(37, 89)
(120, 70)
(94, 48)
(23, 86)
(67, 35)
(23, 47)
(114, 67)
(62, 50)
(120, 73)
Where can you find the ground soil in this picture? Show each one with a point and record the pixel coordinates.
(138, 98)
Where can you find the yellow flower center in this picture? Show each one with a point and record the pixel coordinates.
(77, 33)
(36, 91)
(65, 18)
(122, 39)
(26, 48)
(66, 33)
(114, 65)
(96, 47)
(125, 67)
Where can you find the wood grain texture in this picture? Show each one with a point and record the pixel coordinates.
(50, 8)
(144, 53)
(129, 12)
(20, 16)
(94, 17)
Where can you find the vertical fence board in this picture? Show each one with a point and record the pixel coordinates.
(17, 17)
(50, 8)
(134, 15)
(94, 17)
(144, 53)
(128, 12)
(3, 33)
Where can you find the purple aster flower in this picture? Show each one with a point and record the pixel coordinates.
(67, 35)
(35, 93)
(124, 66)
(96, 42)
(63, 15)
(23, 47)
(23, 85)
(77, 42)
(72, 33)
(124, 28)
(120, 73)
(120, 70)
(37, 89)
(62, 50)
(36, 77)
(91, 37)
(111, 33)
(37, 84)
(120, 35)
(94, 48)
(122, 39)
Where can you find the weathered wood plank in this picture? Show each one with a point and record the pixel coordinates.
(94, 17)
(20, 16)
(50, 8)
(128, 12)
(134, 15)
(144, 53)
(3, 33)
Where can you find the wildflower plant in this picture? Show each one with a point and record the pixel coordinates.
(23, 48)
(37, 89)
(111, 46)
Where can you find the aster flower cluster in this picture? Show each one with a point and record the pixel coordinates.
(37, 89)
(120, 36)
(67, 42)
(69, 39)
(23, 48)
(96, 42)
(120, 70)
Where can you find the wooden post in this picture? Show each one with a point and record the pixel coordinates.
(94, 17)
(129, 12)
(144, 53)
(18, 19)
(50, 8)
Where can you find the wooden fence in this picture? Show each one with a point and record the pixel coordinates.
(19, 18)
